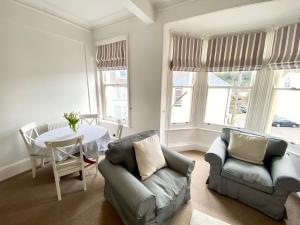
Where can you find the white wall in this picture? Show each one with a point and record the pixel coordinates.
(42, 74)
(145, 57)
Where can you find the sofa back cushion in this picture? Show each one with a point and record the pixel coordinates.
(122, 151)
(275, 146)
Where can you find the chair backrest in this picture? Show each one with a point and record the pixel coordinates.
(89, 119)
(67, 148)
(122, 151)
(275, 147)
(57, 124)
(29, 132)
(119, 130)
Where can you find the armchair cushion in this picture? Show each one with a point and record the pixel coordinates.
(250, 148)
(249, 174)
(122, 151)
(275, 146)
(168, 186)
(149, 156)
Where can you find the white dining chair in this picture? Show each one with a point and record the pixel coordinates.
(29, 132)
(119, 131)
(89, 119)
(70, 164)
(57, 124)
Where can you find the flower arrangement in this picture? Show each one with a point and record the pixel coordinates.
(73, 119)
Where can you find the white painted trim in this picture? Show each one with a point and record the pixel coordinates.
(111, 40)
(15, 168)
(188, 146)
(142, 9)
(77, 23)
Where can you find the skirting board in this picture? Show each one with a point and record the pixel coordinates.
(188, 146)
(14, 169)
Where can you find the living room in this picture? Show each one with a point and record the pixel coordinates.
(215, 83)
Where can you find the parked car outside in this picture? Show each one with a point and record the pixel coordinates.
(283, 122)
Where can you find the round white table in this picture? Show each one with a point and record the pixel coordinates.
(95, 139)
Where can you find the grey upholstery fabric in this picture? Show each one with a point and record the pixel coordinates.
(154, 200)
(252, 175)
(284, 174)
(181, 164)
(122, 152)
(166, 185)
(252, 184)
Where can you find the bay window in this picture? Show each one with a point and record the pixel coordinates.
(182, 94)
(228, 98)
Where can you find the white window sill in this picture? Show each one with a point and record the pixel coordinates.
(114, 123)
(294, 149)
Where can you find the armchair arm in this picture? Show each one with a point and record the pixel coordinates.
(178, 162)
(135, 196)
(216, 156)
(284, 174)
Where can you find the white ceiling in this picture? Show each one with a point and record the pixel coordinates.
(92, 13)
(250, 17)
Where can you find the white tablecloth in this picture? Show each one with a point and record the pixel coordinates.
(95, 139)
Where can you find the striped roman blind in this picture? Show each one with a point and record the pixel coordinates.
(241, 52)
(186, 54)
(112, 56)
(286, 48)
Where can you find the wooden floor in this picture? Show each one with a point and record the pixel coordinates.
(26, 201)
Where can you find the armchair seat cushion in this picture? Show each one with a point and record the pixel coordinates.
(169, 188)
(249, 174)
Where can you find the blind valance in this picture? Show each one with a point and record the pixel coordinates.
(186, 54)
(286, 48)
(112, 56)
(241, 52)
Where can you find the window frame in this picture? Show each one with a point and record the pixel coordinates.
(170, 100)
(103, 99)
(270, 117)
(100, 96)
(251, 90)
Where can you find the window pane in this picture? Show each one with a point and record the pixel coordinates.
(115, 77)
(227, 106)
(183, 78)
(289, 79)
(227, 79)
(181, 105)
(286, 119)
(116, 102)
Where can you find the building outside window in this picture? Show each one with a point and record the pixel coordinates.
(228, 97)
(182, 92)
(285, 115)
(115, 95)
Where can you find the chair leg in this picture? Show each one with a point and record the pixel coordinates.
(57, 187)
(97, 162)
(83, 179)
(42, 162)
(33, 165)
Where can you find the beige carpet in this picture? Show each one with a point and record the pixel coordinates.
(26, 201)
(199, 218)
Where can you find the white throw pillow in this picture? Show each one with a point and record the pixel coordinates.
(250, 148)
(149, 156)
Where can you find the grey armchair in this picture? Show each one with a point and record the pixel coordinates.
(264, 187)
(154, 200)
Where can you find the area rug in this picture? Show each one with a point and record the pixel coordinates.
(199, 218)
